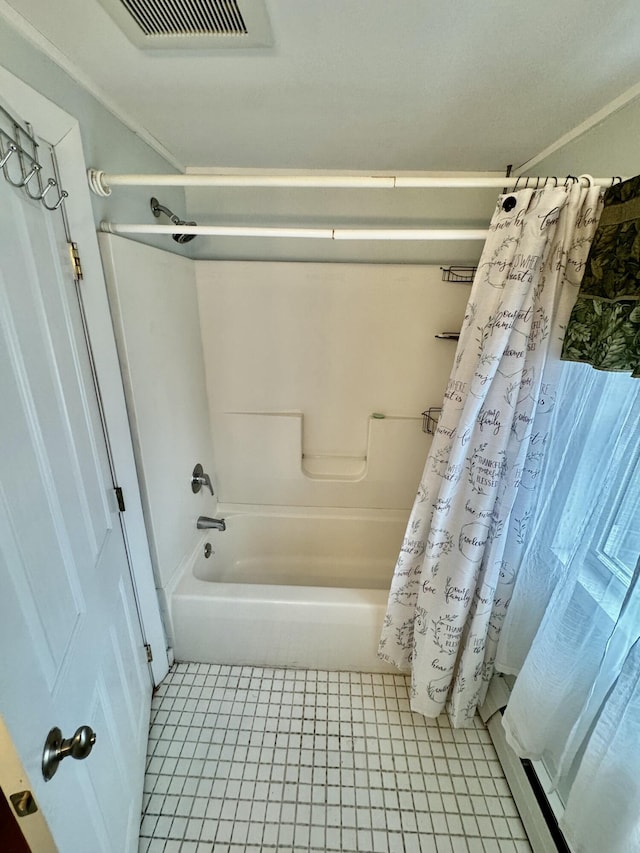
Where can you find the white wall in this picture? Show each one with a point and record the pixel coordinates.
(108, 144)
(154, 308)
(609, 148)
(299, 356)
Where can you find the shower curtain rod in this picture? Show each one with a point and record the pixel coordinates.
(305, 233)
(101, 183)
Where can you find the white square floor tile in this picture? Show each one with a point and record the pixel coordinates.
(249, 759)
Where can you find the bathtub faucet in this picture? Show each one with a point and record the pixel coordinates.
(205, 523)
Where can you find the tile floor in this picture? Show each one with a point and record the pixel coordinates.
(250, 759)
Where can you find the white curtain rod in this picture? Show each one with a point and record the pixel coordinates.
(101, 182)
(306, 233)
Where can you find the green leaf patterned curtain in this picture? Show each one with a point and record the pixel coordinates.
(604, 327)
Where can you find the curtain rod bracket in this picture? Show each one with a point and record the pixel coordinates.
(97, 182)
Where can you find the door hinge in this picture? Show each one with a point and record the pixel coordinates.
(149, 652)
(120, 499)
(75, 261)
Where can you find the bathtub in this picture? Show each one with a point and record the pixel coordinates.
(288, 587)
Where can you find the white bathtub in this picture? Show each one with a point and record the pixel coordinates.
(287, 587)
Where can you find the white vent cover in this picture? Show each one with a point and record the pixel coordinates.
(192, 24)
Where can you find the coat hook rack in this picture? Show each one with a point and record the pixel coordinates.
(20, 164)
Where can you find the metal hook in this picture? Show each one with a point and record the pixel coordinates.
(34, 159)
(21, 142)
(515, 189)
(35, 171)
(64, 194)
(589, 179)
(35, 167)
(570, 178)
(50, 184)
(12, 148)
(615, 178)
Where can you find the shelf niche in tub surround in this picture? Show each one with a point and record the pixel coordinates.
(263, 462)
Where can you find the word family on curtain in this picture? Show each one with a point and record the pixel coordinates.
(458, 563)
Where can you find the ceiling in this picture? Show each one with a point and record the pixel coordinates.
(366, 84)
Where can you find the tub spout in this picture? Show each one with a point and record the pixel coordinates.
(205, 523)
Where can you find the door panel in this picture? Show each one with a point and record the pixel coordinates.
(72, 645)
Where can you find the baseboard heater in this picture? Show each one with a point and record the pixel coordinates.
(538, 810)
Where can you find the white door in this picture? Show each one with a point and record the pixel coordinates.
(72, 649)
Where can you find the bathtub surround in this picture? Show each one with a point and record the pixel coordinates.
(298, 357)
(281, 368)
(154, 310)
(251, 759)
(466, 533)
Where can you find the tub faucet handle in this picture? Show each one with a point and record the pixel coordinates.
(200, 479)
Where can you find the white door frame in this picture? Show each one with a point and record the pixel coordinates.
(63, 130)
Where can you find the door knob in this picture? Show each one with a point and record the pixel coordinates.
(56, 748)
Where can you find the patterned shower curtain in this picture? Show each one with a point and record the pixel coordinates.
(466, 532)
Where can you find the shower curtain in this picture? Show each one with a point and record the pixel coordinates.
(576, 700)
(459, 558)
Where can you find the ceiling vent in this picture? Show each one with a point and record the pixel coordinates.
(192, 24)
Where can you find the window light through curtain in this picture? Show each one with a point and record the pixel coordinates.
(574, 620)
